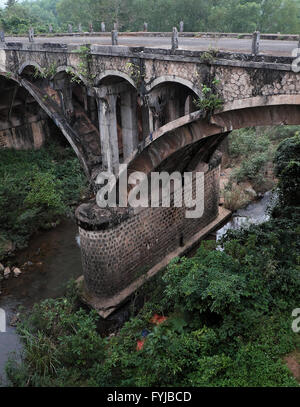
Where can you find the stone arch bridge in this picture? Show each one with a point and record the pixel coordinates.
(136, 105)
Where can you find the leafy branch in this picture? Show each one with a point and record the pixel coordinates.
(85, 57)
(47, 72)
(210, 100)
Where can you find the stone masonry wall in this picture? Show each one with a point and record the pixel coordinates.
(241, 75)
(116, 257)
(25, 137)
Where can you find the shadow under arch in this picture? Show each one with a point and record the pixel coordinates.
(187, 130)
(49, 108)
(173, 79)
(29, 64)
(114, 73)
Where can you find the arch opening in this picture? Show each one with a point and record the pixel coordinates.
(23, 124)
(66, 100)
(120, 119)
(169, 101)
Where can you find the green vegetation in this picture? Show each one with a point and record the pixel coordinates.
(228, 318)
(134, 71)
(18, 17)
(268, 16)
(287, 168)
(83, 67)
(208, 56)
(47, 72)
(210, 100)
(37, 188)
(252, 152)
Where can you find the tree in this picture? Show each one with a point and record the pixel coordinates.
(11, 3)
(161, 15)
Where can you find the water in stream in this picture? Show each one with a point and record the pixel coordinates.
(55, 258)
(255, 212)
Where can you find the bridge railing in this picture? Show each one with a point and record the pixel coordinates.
(256, 36)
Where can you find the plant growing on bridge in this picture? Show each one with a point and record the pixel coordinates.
(74, 77)
(210, 100)
(47, 72)
(208, 57)
(84, 53)
(134, 71)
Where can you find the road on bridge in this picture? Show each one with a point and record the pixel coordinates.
(271, 47)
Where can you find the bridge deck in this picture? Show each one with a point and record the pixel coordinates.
(270, 47)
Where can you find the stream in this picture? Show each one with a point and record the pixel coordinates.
(254, 213)
(53, 258)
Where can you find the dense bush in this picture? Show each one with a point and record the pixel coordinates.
(247, 141)
(287, 167)
(251, 154)
(60, 341)
(36, 189)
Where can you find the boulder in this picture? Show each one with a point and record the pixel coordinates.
(17, 272)
(7, 272)
(251, 193)
(14, 320)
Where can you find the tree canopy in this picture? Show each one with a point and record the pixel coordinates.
(268, 16)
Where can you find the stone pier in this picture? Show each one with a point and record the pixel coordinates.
(123, 247)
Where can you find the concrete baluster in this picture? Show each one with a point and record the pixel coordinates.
(174, 39)
(114, 37)
(31, 34)
(255, 43)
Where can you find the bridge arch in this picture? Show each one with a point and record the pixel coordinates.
(114, 73)
(175, 79)
(170, 97)
(48, 107)
(58, 69)
(194, 128)
(29, 64)
(119, 113)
